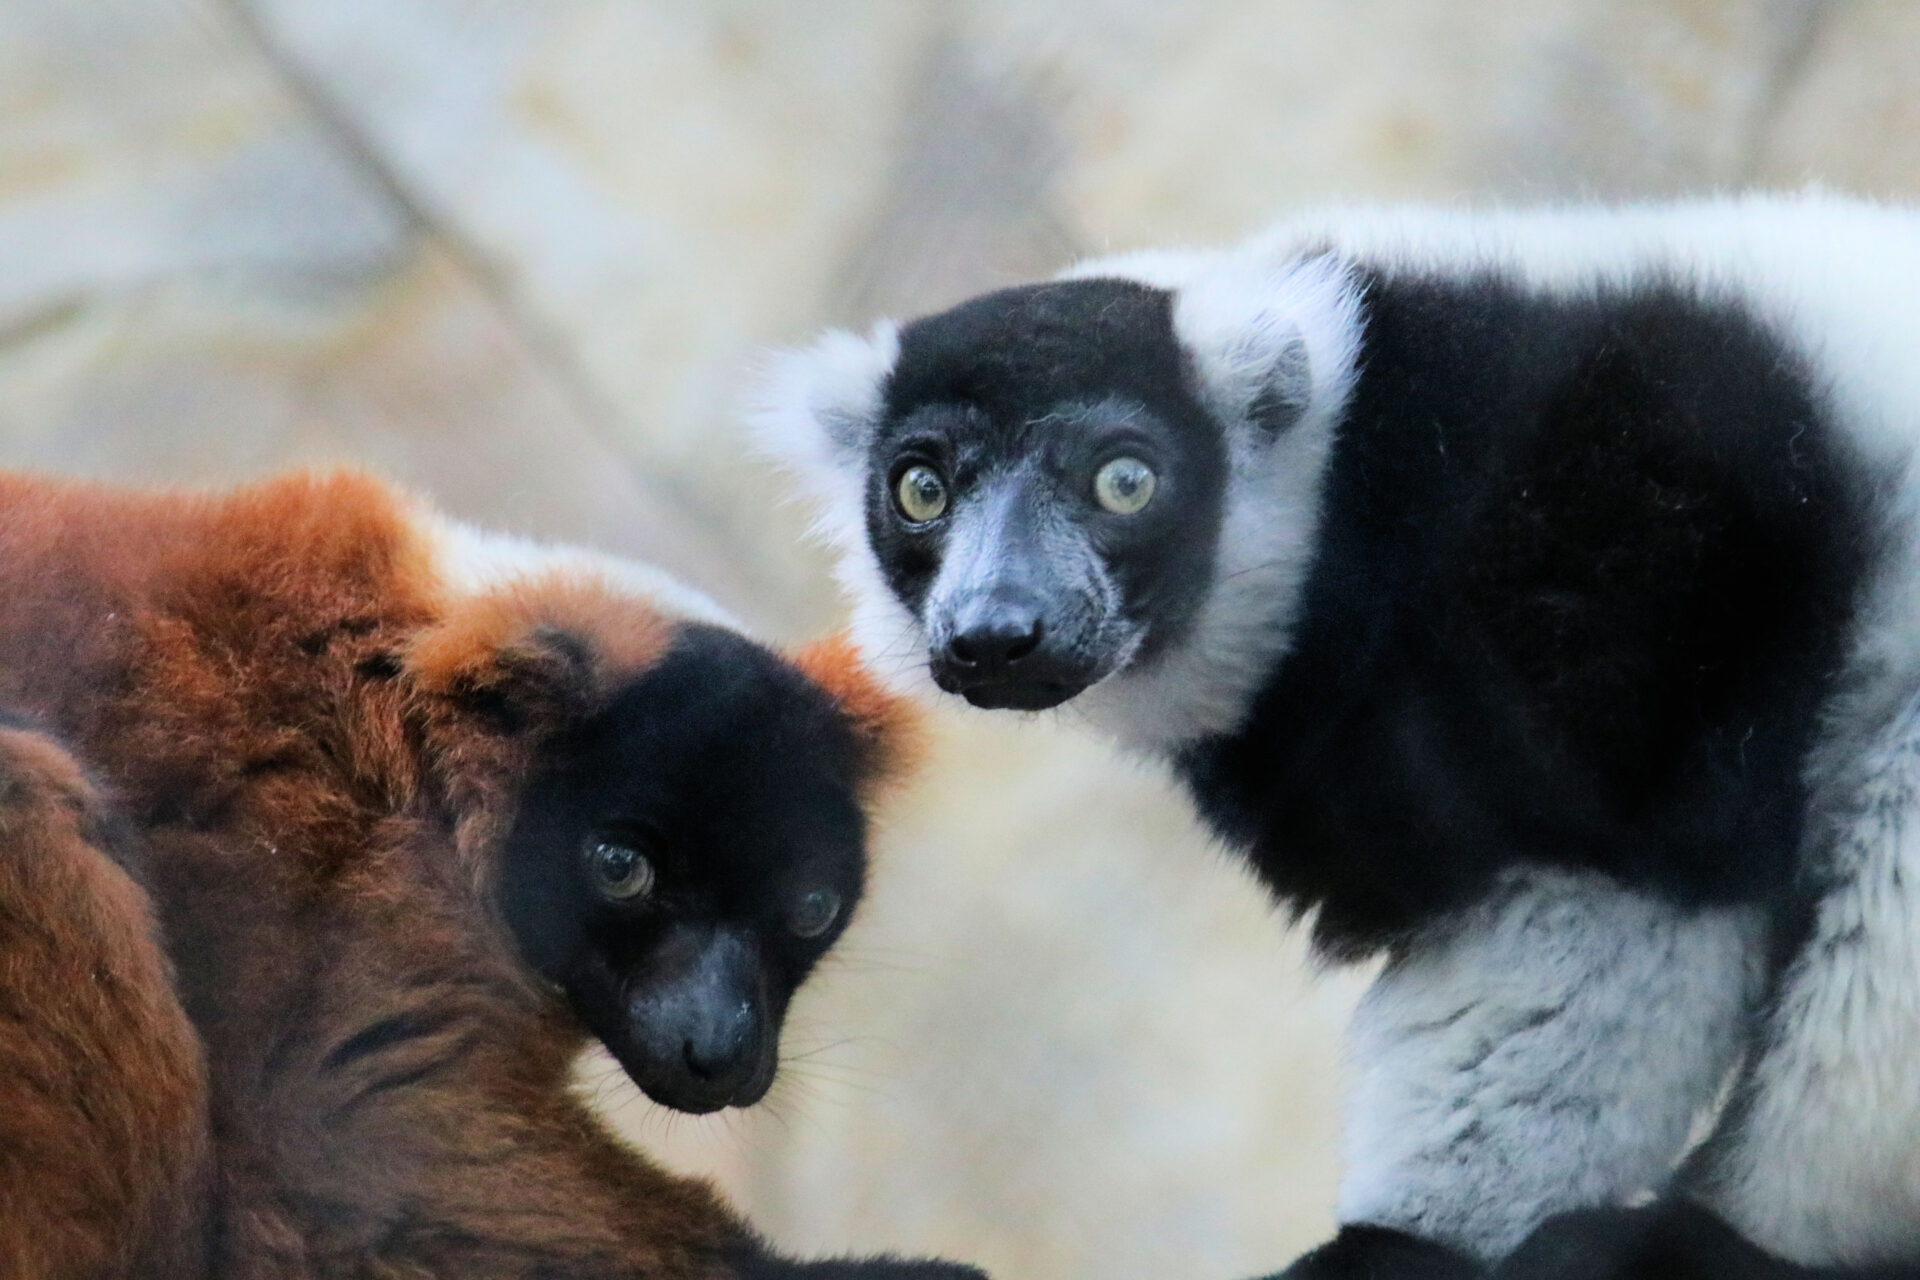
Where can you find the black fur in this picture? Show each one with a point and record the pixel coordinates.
(974, 389)
(1583, 578)
(755, 1263)
(1362, 1252)
(746, 802)
(1672, 1241)
(1023, 351)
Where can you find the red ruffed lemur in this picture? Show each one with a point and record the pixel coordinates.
(330, 831)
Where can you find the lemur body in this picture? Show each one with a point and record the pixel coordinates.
(106, 1161)
(1535, 598)
(420, 811)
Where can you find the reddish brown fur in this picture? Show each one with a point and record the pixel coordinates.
(320, 748)
(104, 1155)
(890, 724)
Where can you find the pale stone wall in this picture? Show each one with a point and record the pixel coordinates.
(521, 254)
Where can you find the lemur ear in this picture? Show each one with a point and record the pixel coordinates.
(538, 651)
(1270, 343)
(815, 410)
(890, 729)
(502, 670)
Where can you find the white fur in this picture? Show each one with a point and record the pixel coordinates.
(472, 560)
(1823, 1165)
(1548, 1049)
(1238, 319)
(813, 411)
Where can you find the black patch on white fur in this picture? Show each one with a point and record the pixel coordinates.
(1583, 579)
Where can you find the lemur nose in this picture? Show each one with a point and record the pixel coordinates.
(706, 1064)
(999, 638)
(723, 1051)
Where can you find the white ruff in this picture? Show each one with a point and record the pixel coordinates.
(813, 412)
(1239, 318)
(473, 561)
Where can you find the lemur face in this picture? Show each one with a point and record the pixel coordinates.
(1100, 488)
(1043, 492)
(686, 857)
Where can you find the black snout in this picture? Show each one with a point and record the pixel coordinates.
(1001, 653)
(718, 1047)
(700, 1028)
(997, 636)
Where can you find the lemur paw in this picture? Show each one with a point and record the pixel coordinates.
(1660, 1242)
(1362, 1252)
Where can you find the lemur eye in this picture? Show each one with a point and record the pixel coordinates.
(815, 913)
(621, 871)
(1124, 486)
(921, 494)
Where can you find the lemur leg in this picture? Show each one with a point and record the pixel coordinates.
(104, 1144)
(1548, 1049)
(1818, 1158)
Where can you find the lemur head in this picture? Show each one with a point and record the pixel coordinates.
(687, 835)
(1104, 487)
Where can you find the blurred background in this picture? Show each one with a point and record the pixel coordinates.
(521, 255)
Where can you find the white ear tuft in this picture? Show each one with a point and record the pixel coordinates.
(1271, 342)
(815, 411)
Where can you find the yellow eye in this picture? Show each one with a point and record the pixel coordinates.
(622, 871)
(1124, 486)
(921, 494)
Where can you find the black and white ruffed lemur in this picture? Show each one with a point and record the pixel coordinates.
(1534, 597)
